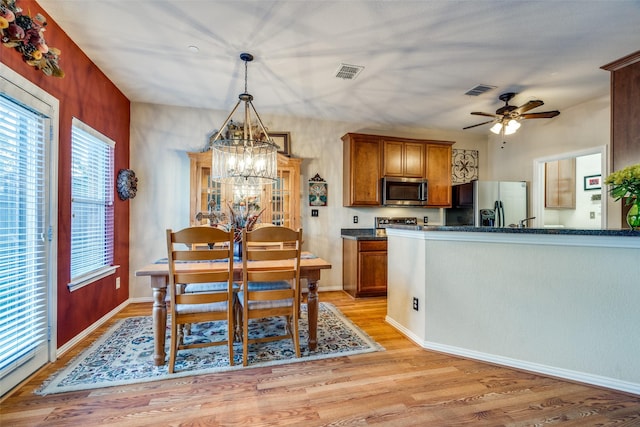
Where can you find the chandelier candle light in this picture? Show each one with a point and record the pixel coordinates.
(243, 153)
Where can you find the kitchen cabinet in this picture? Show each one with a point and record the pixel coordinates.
(438, 174)
(364, 267)
(362, 166)
(367, 158)
(281, 200)
(403, 159)
(625, 110)
(560, 184)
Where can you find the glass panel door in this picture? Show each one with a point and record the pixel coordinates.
(25, 135)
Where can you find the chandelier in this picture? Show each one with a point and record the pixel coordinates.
(243, 153)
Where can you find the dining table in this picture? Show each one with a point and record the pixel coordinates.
(158, 272)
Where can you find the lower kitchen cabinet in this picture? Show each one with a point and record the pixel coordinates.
(364, 267)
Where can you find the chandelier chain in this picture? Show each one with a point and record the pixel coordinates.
(245, 77)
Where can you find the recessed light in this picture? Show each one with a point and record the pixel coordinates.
(194, 49)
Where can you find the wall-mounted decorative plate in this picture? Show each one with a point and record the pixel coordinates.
(127, 184)
(464, 166)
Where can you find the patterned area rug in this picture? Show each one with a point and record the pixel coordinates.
(124, 354)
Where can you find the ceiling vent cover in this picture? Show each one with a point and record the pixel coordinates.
(348, 72)
(479, 90)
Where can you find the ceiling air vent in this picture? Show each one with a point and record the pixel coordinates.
(348, 72)
(479, 90)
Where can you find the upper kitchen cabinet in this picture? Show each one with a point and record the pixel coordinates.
(560, 184)
(281, 200)
(368, 158)
(438, 173)
(362, 157)
(625, 110)
(403, 159)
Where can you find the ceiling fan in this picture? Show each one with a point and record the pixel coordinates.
(507, 118)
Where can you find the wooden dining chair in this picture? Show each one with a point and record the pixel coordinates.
(271, 289)
(205, 306)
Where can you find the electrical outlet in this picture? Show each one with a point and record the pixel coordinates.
(592, 215)
(425, 220)
(314, 212)
(355, 219)
(117, 283)
(415, 303)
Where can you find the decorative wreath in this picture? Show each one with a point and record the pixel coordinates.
(25, 34)
(127, 184)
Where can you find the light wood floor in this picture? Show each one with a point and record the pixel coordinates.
(402, 386)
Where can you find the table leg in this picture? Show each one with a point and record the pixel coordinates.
(159, 314)
(312, 309)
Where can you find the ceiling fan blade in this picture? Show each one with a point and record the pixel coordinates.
(477, 113)
(528, 106)
(542, 115)
(479, 124)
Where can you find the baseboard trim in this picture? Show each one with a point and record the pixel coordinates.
(82, 335)
(567, 374)
(140, 300)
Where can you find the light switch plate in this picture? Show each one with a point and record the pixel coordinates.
(314, 212)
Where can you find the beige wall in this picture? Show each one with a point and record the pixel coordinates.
(161, 136)
(575, 318)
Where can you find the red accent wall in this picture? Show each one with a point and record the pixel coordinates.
(87, 94)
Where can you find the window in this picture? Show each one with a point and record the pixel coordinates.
(92, 198)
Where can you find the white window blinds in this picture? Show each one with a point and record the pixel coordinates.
(92, 198)
(23, 257)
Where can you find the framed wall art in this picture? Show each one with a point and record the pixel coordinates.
(283, 139)
(317, 191)
(592, 182)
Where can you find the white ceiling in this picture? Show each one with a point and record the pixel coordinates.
(420, 57)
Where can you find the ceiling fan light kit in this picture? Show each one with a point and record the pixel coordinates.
(507, 118)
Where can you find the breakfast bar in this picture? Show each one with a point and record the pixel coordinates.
(555, 301)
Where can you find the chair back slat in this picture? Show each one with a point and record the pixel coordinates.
(271, 275)
(201, 254)
(201, 277)
(260, 254)
(201, 298)
(271, 295)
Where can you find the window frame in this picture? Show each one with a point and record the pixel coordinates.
(106, 199)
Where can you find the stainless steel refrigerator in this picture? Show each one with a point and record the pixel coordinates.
(488, 204)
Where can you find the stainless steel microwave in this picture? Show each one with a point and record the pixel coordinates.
(404, 191)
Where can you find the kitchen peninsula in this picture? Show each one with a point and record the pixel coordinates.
(555, 301)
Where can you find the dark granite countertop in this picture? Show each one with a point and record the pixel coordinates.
(360, 234)
(513, 230)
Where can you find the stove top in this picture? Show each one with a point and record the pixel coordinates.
(383, 222)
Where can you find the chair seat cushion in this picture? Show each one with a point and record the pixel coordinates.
(192, 288)
(258, 305)
(268, 286)
(213, 307)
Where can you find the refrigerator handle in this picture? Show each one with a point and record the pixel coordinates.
(499, 209)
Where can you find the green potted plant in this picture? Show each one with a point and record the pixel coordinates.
(625, 183)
